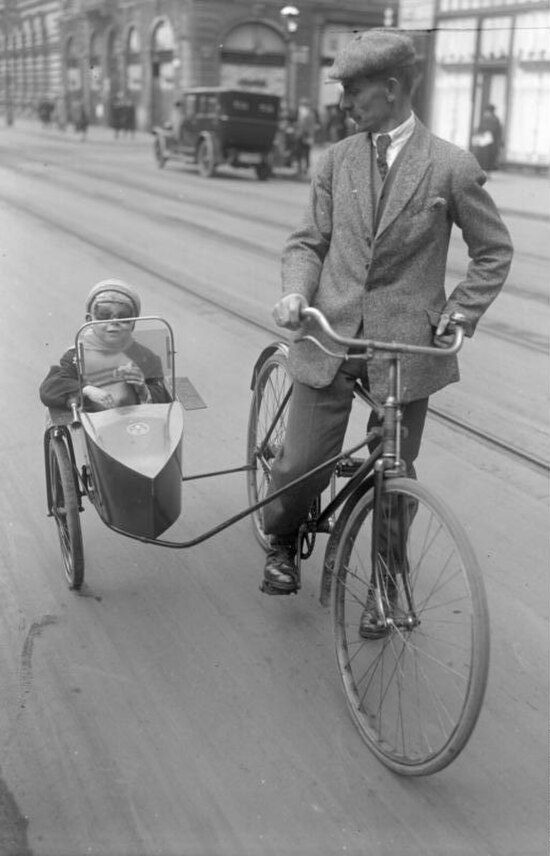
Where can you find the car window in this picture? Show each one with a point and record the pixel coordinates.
(212, 105)
(190, 105)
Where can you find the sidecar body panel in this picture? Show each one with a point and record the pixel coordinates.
(135, 456)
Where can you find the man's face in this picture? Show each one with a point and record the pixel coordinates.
(366, 102)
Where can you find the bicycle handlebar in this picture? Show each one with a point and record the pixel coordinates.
(312, 314)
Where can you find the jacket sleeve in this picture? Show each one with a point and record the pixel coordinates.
(61, 382)
(488, 241)
(307, 246)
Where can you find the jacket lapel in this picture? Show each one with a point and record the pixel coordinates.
(409, 172)
(358, 167)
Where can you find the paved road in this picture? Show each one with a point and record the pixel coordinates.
(171, 708)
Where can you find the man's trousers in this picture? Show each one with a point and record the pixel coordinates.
(316, 428)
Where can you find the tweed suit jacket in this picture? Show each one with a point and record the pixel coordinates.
(393, 281)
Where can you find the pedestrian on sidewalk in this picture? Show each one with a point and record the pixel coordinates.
(371, 255)
(81, 121)
(487, 140)
(306, 125)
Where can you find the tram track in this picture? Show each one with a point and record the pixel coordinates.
(115, 179)
(529, 340)
(195, 288)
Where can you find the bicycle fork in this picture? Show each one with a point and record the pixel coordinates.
(390, 525)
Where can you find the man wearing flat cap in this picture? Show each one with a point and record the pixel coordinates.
(371, 255)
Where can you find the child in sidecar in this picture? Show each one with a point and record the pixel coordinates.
(118, 370)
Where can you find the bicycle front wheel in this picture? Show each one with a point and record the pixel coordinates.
(266, 431)
(415, 691)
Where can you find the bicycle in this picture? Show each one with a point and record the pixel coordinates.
(415, 688)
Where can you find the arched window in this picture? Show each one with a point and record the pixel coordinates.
(133, 61)
(37, 31)
(163, 37)
(255, 43)
(133, 42)
(74, 78)
(253, 56)
(95, 63)
(162, 69)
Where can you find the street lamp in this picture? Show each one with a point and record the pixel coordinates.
(290, 15)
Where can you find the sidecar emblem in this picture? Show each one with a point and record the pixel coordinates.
(136, 429)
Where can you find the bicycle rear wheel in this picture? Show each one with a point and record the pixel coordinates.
(416, 692)
(266, 431)
(64, 508)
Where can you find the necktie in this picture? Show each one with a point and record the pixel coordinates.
(382, 143)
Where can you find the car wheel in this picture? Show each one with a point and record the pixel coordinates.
(205, 159)
(263, 171)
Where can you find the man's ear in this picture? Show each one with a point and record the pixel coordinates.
(392, 86)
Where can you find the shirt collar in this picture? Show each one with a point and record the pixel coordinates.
(399, 134)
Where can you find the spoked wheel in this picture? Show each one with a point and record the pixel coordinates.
(64, 507)
(205, 159)
(263, 171)
(415, 690)
(266, 431)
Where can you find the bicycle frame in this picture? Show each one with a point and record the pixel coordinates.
(385, 460)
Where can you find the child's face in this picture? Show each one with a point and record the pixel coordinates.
(114, 313)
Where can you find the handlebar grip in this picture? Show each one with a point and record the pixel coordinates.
(73, 404)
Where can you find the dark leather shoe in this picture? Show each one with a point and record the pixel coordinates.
(280, 572)
(371, 624)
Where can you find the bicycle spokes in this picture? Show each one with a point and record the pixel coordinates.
(415, 692)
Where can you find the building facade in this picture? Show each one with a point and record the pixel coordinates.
(145, 51)
(30, 53)
(90, 52)
(482, 52)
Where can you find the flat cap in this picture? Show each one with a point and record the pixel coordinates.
(371, 53)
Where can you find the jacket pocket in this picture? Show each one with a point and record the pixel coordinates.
(432, 205)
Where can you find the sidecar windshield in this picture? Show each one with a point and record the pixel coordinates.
(105, 347)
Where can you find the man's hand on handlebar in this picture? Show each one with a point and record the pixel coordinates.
(444, 335)
(287, 312)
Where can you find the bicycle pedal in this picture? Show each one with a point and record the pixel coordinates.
(348, 467)
(269, 588)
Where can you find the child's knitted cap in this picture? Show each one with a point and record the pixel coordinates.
(113, 290)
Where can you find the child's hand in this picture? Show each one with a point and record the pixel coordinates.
(99, 396)
(132, 374)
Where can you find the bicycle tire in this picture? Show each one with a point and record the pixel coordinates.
(414, 694)
(273, 383)
(64, 508)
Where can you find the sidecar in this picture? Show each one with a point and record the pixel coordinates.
(126, 460)
(134, 459)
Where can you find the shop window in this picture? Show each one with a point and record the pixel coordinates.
(190, 105)
(496, 34)
(528, 132)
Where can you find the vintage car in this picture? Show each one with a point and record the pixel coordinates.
(218, 126)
